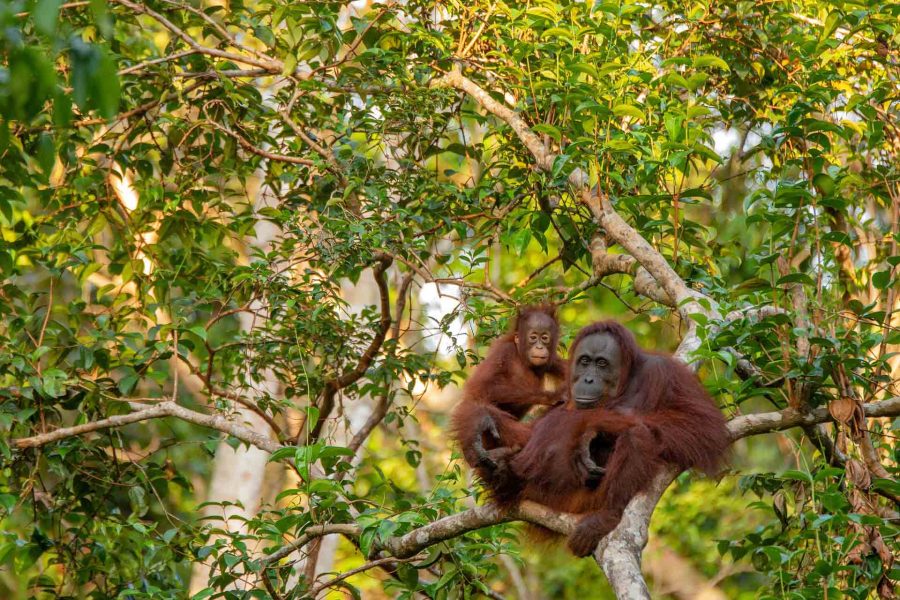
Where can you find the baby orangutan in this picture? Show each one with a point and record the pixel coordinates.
(511, 379)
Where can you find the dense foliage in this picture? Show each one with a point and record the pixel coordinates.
(282, 213)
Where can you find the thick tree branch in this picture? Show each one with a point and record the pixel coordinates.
(605, 264)
(618, 552)
(154, 412)
(634, 243)
(455, 79)
(481, 516)
(740, 427)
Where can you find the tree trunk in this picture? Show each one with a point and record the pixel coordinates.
(239, 473)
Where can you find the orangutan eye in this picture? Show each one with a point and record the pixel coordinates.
(584, 361)
(602, 362)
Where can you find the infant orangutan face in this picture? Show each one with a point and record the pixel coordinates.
(537, 334)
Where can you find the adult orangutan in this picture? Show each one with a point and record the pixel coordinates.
(628, 413)
(511, 379)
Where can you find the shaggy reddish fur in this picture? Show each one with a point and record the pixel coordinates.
(505, 386)
(661, 414)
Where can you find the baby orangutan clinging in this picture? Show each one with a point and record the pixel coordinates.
(512, 378)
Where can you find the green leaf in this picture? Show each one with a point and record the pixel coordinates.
(282, 454)
(127, 383)
(408, 575)
(586, 69)
(628, 110)
(6, 262)
(838, 237)
(230, 560)
(543, 12)
(887, 485)
(881, 279)
(7, 502)
(550, 130)
(449, 575)
(557, 32)
(290, 64)
(46, 14)
(46, 153)
(521, 240)
(708, 60)
(797, 475)
(824, 183)
(138, 498)
(795, 278)
(832, 21)
(105, 84)
(700, 318)
(697, 110)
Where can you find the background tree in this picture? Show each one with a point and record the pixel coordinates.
(289, 228)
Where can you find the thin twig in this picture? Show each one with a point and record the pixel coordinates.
(156, 61)
(271, 65)
(259, 151)
(369, 565)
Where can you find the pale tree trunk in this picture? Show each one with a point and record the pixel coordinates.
(351, 416)
(674, 575)
(239, 474)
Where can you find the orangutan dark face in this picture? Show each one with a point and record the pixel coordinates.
(596, 365)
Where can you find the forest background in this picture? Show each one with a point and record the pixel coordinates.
(250, 250)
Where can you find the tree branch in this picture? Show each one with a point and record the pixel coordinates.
(475, 518)
(314, 532)
(455, 79)
(384, 325)
(143, 413)
(271, 65)
(740, 427)
(755, 424)
(246, 145)
(390, 562)
(334, 385)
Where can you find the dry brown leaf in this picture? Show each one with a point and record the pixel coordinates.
(858, 474)
(842, 409)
